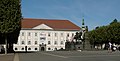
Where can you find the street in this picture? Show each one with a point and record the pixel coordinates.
(70, 56)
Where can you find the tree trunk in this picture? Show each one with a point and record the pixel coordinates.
(6, 44)
(10, 48)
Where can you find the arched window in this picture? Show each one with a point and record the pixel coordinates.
(29, 48)
(22, 48)
(16, 49)
(35, 48)
(61, 48)
(49, 48)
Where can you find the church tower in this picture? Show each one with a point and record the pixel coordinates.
(84, 28)
(86, 44)
(83, 25)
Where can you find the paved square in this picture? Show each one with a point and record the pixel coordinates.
(71, 56)
(8, 57)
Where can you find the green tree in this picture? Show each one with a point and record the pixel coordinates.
(10, 22)
(105, 34)
(114, 32)
(98, 36)
(114, 21)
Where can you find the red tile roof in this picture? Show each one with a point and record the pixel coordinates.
(55, 24)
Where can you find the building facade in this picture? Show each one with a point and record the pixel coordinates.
(45, 34)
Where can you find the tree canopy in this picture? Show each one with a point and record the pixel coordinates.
(10, 16)
(105, 34)
(10, 22)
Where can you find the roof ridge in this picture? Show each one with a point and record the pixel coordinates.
(46, 19)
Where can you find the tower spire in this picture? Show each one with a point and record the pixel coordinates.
(83, 21)
(83, 24)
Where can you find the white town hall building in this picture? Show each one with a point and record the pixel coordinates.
(45, 34)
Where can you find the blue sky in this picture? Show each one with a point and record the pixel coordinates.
(95, 12)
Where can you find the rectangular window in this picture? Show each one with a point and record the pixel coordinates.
(29, 34)
(67, 34)
(22, 42)
(55, 34)
(35, 42)
(35, 34)
(61, 42)
(22, 33)
(61, 34)
(72, 34)
(55, 42)
(49, 42)
(29, 42)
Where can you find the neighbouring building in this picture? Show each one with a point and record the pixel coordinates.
(45, 34)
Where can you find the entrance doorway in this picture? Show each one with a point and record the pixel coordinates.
(42, 47)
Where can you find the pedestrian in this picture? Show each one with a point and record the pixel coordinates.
(110, 47)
